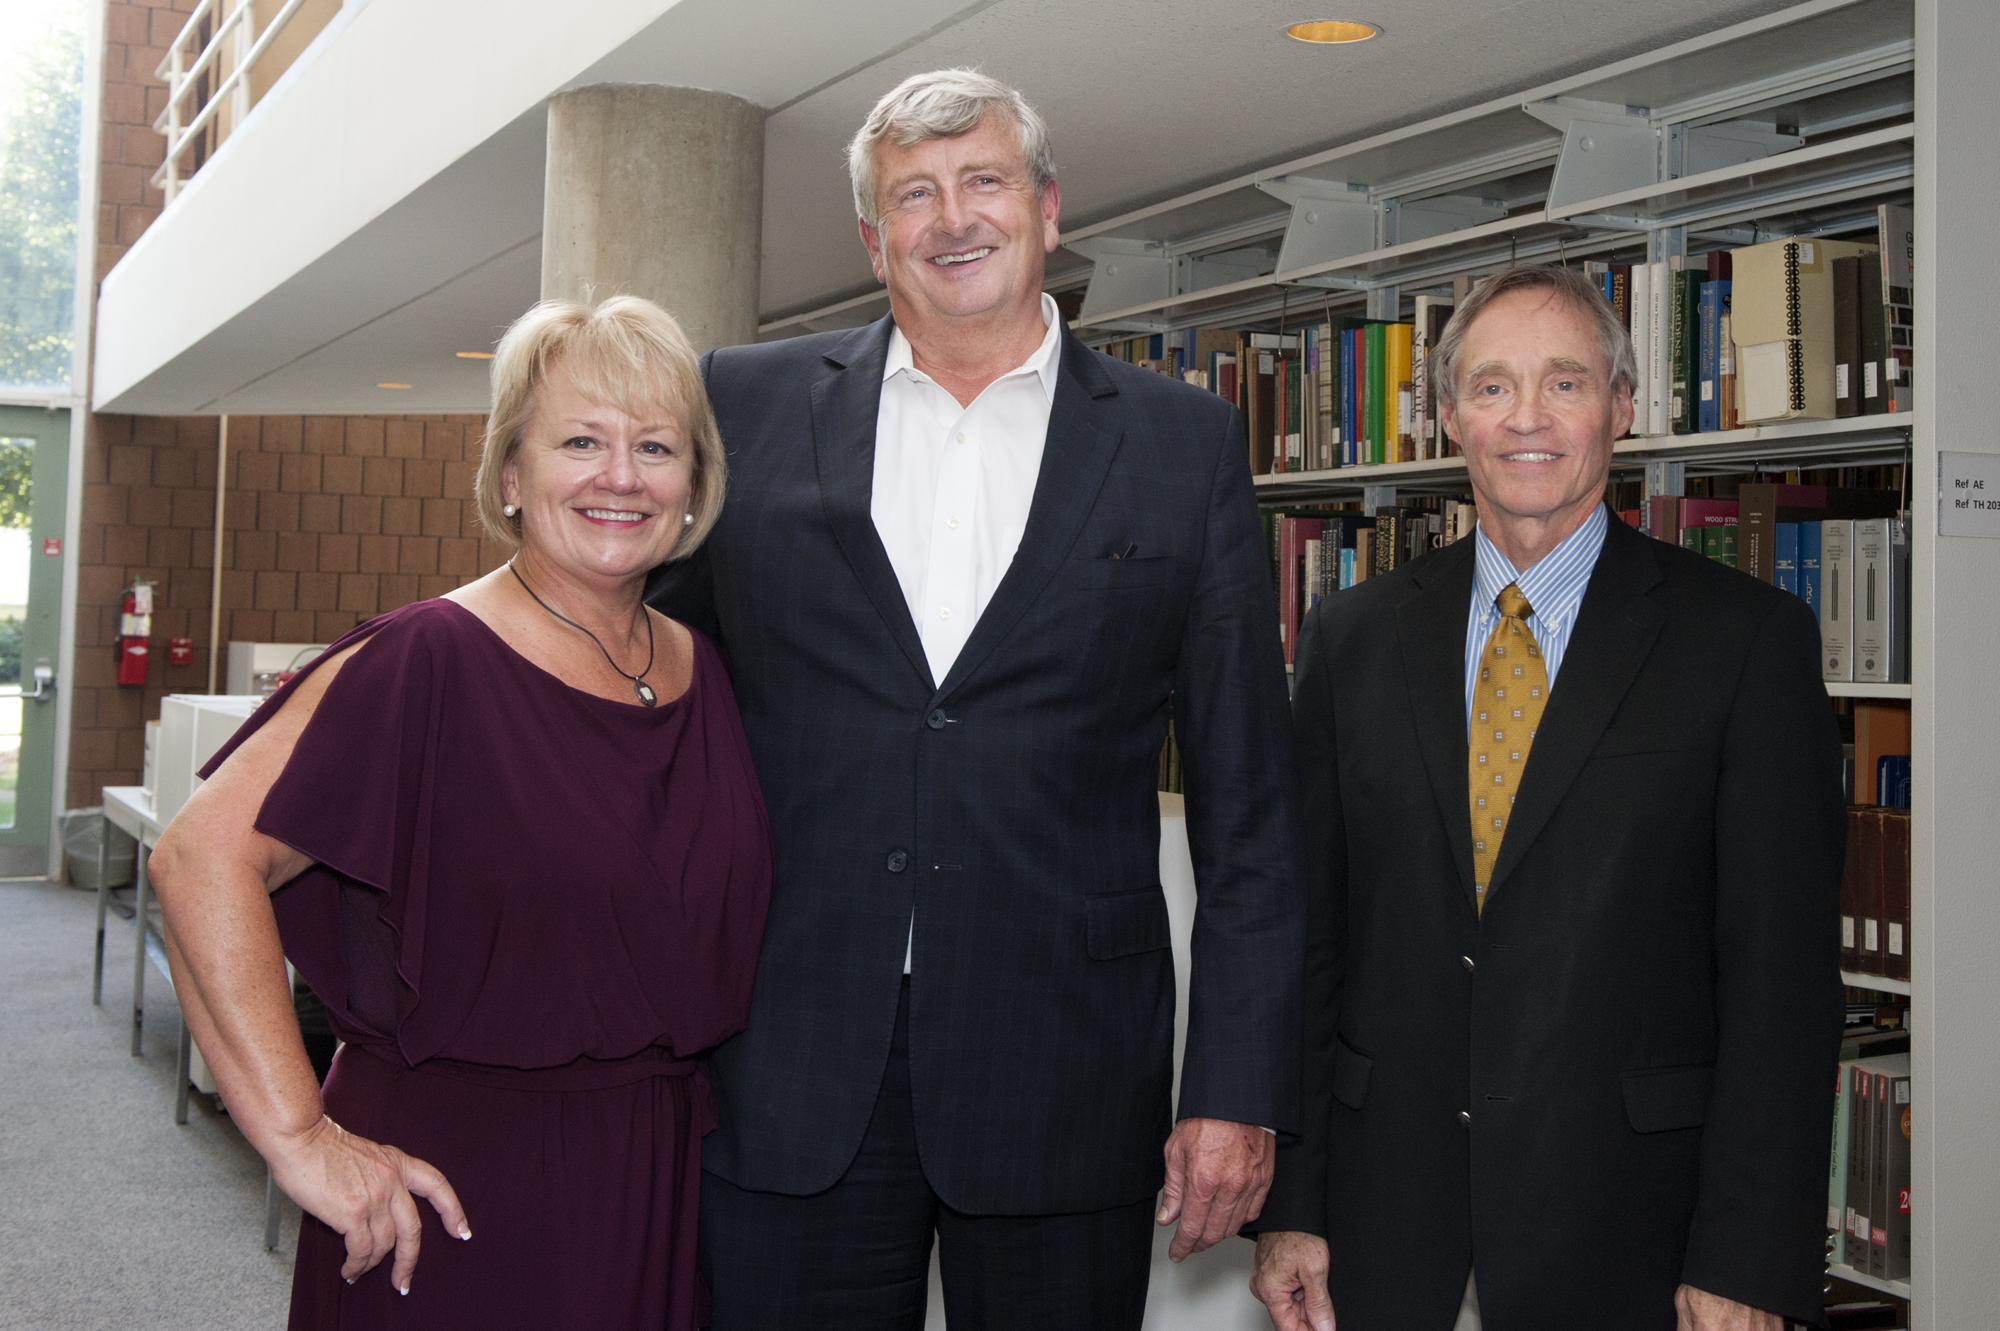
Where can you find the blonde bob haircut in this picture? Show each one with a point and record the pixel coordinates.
(626, 353)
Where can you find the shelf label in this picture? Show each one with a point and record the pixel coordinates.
(1968, 494)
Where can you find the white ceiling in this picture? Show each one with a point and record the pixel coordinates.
(1145, 99)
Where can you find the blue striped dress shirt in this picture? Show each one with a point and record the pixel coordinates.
(1554, 588)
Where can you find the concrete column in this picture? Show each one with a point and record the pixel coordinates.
(657, 192)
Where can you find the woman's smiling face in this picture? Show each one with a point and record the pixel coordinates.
(602, 494)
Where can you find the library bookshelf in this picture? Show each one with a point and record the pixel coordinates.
(1796, 122)
(1899, 1288)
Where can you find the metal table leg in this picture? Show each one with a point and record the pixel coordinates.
(141, 891)
(182, 1071)
(103, 904)
(273, 1210)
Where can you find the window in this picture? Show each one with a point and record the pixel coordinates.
(41, 93)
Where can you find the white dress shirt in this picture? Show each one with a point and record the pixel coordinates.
(953, 485)
(952, 490)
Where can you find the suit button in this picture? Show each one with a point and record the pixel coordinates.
(898, 861)
(1464, 1118)
(936, 719)
(1467, 963)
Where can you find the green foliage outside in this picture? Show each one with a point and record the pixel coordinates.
(41, 92)
(10, 650)
(17, 461)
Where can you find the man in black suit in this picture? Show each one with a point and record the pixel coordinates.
(964, 566)
(1606, 1103)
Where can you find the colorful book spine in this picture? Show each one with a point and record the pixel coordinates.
(1398, 426)
(1708, 416)
(1786, 558)
(1375, 353)
(1809, 549)
(1836, 600)
(1350, 454)
(1836, 1179)
(1684, 339)
(1640, 325)
(1725, 379)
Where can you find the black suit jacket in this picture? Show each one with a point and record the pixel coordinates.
(1620, 1078)
(1012, 804)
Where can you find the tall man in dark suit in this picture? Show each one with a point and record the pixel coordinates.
(1574, 834)
(963, 566)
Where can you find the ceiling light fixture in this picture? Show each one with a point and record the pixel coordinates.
(392, 385)
(1328, 32)
(474, 355)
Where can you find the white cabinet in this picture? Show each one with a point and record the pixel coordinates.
(192, 727)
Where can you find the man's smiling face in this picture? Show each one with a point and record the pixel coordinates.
(962, 232)
(1536, 413)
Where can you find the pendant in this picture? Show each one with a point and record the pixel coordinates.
(645, 692)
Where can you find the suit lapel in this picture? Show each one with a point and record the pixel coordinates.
(1084, 430)
(1431, 626)
(844, 408)
(1615, 630)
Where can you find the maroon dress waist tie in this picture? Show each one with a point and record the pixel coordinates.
(584, 1074)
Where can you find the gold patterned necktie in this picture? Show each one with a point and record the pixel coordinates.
(1506, 711)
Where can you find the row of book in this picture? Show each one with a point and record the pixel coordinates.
(1881, 753)
(1845, 552)
(1875, 893)
(1342, 393)
(1679, 317)
(1868, 1181)
(1790, 329)
(1339, 393)
(1316, 552)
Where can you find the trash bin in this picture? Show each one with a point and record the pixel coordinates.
(83, 831)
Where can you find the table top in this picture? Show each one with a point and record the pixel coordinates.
(130, 809)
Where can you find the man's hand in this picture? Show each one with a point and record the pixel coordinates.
(1701, 1311)
(1217, 1175)
(1290, 1278)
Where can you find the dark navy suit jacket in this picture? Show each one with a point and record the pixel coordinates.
(1011, 805)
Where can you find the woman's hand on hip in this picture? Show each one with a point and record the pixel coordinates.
(364, 1191)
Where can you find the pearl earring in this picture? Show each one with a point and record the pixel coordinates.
(687, 519)
(509, 509)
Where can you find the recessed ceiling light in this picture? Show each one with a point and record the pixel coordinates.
(1326, 32)
(474, 355)
(392, 385)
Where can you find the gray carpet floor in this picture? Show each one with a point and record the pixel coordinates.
(110, 1215)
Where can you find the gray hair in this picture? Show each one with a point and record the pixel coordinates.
(1564, 284)
(943, 104)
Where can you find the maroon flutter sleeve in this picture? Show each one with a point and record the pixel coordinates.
(509, 870)
(356, 797)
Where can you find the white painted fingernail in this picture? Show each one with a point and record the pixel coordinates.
(348, 1280)
(404, 1290)
(465, 1231)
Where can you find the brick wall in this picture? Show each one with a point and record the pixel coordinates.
(329, 520)
(135, 41)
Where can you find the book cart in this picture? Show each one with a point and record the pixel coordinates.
(1796, 123)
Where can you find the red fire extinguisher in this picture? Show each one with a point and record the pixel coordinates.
(135, 627)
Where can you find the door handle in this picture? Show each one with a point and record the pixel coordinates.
(45, 682)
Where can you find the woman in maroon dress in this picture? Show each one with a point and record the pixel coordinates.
(512, 838)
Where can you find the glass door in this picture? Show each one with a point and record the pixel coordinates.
(34, 465)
